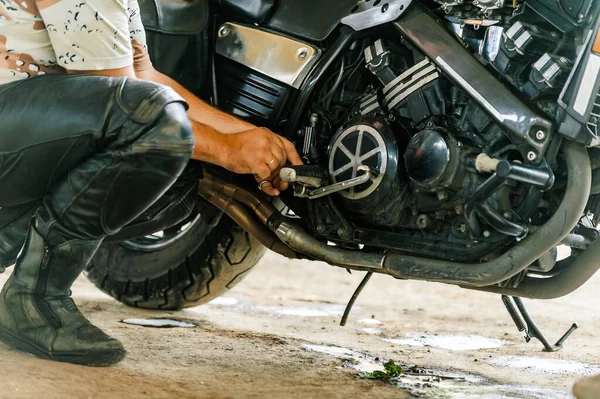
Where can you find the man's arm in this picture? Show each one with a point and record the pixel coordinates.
(199, 111)
(107, 39)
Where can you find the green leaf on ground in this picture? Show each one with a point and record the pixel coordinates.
(391, 370)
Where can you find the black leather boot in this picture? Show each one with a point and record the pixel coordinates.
(14, 222)
(37, 314)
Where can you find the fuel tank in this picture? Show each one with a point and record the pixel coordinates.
(312, 20)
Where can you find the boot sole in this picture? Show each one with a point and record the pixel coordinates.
(95, 358)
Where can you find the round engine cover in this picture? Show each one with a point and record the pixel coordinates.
(427, 157)
(360, 143)
(370, 142)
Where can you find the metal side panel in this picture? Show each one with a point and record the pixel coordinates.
(367, 14)
(286, 60)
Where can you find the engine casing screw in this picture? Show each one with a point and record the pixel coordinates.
(540, 135)
(487, 234)
(302, 54)
(224, 31)
(531, 156)
(442, 196)
(423, 222)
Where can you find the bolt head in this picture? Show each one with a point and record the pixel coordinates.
(302, 54)
(487, 234)
(531, 156)
(540, 135)
(224, 31)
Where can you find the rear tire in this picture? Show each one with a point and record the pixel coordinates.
(200, 265)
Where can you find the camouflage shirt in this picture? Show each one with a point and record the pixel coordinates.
(49, 36)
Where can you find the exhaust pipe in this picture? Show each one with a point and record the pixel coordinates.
(476, 276)
(244, 218)
(523, 253)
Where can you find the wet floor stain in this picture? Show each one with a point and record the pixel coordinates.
(303, 311)
(448, 342)
(159, 323)
(224, 301)
(356, 360)
(369, 321)
(371, 330)
(431, 383)
(321, 310)
(541, 365)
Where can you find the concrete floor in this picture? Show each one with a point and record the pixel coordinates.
(277, 335)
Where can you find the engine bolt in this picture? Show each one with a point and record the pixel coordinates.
(423, 222)
(507, 215)
(302, 54)
(487, 234)
(442, 196)
(540, 135)
(224, 31)
(531, 156)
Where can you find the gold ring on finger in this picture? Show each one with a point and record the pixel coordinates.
(261, 184)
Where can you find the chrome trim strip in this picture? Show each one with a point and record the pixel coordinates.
(467, 86)
(414, 88)
(406, 74)
(287, 60)
(368, 15)
(430, 70)
(586, 90)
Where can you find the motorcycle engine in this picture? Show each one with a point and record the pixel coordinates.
(390, 109)
(485, 6)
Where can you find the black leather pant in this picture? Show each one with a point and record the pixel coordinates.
(88, 154)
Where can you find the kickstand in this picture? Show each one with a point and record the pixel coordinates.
(354, 296)
(524, 322)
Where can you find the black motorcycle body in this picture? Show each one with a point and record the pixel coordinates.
(444, 141)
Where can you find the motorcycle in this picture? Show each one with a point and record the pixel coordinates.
(451, 141)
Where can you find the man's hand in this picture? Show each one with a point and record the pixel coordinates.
(258, 152)
(262, 153)
(230, 142)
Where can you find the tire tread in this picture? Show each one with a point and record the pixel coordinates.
(204, 274)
